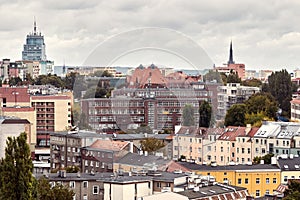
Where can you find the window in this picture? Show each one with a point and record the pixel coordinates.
(95, 189)
(232, 144)
(249, 150)
(257, 193)
(85, 184)
(257, 180)
(246, 180)
(72, 184)
(239, 181)
(237, 150)
(285, 178)
(221, 149)
(267, 191)
(85, 197)
(243, 150)
(274, 180)
(158, 184)
(225, 173)
(267, 180)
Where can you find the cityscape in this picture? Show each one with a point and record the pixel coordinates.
(147, 115)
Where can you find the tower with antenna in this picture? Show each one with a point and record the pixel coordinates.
(34, 49)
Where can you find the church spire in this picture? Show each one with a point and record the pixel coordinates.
(230, 61)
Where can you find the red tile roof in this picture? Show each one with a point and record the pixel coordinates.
(232, 132)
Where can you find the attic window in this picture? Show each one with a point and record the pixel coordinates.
(297, 166)
(285, 166)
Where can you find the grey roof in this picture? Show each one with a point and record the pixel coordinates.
(113, 178)
(142, 160)
(194, 166)
(289, 164)
(211, 191)
(85, 134)
(79, 134)
(138, 136)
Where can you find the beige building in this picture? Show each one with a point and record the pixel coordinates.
(24, 113)
(12, 128)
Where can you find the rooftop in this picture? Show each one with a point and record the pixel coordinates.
(194, 166)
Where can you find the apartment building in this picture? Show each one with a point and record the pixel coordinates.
(258, 179)
(290, 167)
(101, 155)
(196, 144)
(65, 149)
(233, 93)
(295, 109)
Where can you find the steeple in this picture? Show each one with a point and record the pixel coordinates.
(230, 61)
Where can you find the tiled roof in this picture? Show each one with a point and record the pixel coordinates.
(109, 145)
(232, 132)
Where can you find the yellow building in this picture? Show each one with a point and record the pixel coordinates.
(258, 179)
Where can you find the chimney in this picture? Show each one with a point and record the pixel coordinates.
(273, 160)
(146, 153)
(131, 147)
(262, 162)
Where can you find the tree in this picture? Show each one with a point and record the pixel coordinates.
(144, 129)
(205, 112)
(262, 102)
(59, 191)
(15, 81)
(293, 191)
(252, 82)
(266, 158)
(280, 86)
(16, 170)
(188, 115)
(151, 144)
(235, 115)
(212, 75)
(233, 78)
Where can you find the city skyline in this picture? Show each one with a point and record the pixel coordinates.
(264, 34)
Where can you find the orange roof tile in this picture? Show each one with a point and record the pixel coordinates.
(109, 145)
(232, 132)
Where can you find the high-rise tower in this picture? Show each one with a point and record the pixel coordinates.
(34, 49)
(230, 61)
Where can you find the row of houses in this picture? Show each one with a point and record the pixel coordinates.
(100, 153)
(239, 145)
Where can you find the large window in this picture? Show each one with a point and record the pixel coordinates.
(72, 184)
(267, 180)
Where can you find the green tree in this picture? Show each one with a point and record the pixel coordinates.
(15, 81)
(293, 191)
(252, 82)
(188, 115)
(58, 192)
(151, 144)
(262, 102)
(235, 115)
(16, 170)
(233, 78)
(205, 112)
(280, 86)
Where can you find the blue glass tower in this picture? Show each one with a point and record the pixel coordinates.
(34, 49)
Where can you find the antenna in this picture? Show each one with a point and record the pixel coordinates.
(34, 26)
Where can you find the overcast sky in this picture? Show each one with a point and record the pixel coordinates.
(265, 34)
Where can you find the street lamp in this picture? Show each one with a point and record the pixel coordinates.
(15, 93)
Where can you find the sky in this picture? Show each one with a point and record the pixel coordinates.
(265, 34)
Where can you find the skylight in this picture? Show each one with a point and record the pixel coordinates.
(286, 166)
